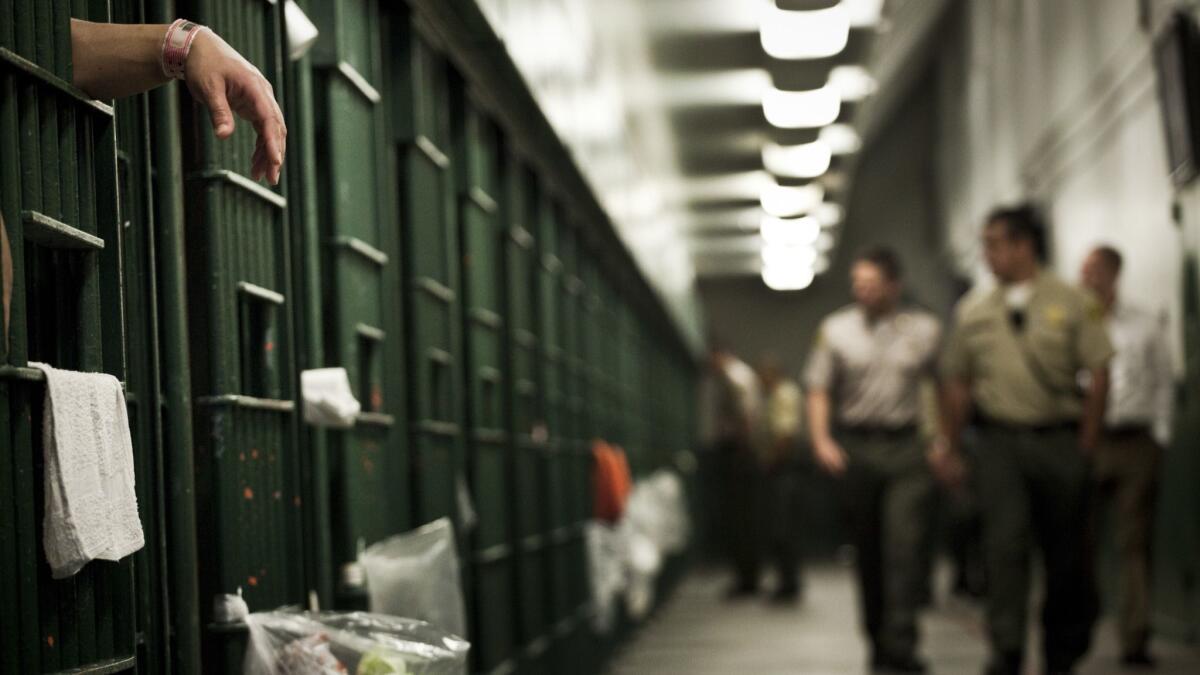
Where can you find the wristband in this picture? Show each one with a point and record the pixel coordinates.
(176, 45)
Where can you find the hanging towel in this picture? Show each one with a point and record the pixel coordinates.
(328, 399)
(91, 506)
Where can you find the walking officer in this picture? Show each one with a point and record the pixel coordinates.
(1014, 357)
(863, 378)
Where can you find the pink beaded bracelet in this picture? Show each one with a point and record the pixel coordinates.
(176, 45)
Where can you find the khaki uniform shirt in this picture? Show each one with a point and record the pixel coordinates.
(1024, 369)
(873, 370)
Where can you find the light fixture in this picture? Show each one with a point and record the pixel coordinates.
(792, 35)
(828, 214)
(863, 13)
(801, 109)
(789, 257)
(840, 139)
(821, 266)
(824, 241)
(790, 231)
(807, 160)
(787, 279)
(852, 83)
(788, 202)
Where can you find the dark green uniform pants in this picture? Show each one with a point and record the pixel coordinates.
(888, 493)
(1034, 489)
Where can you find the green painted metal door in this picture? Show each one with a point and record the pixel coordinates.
(249, 511)
(369, 467)
(420, 113)
(527, 421)
(491, 554)
(553, 373)
(59, 201)
(1177, 553)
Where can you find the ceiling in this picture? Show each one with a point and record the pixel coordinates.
(668, 105)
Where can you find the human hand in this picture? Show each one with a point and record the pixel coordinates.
(228, 84)
(946, 463)
(830, 456)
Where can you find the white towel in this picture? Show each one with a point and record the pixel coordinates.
(91, 506)
(328, 400)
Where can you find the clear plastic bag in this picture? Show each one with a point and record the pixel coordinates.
(657, 510)
(606, 571)
(289, 642)
(415, 574)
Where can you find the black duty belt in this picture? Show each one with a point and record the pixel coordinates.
(1042, 428)
(1127, 431)
(878, 431)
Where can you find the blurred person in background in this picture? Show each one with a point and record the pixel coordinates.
(1014, 357)
(863, 395)
(1137, 427)
(736, 406)
(780, 445)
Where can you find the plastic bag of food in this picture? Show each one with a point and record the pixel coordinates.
(290, 642)
(415, 574)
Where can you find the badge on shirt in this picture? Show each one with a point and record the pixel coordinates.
(1056, 315)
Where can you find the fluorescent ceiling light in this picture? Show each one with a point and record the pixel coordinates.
(828, 214)
(839, 139)
(789, 202)
(824, 241)
(804, 35)
(801, 109)
(863, 13)
(821, 266)
(788, 257)
(790, 231)
(852, 83)
(788, 279)
(807, 160)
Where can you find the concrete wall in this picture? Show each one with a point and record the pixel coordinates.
(1057, 102)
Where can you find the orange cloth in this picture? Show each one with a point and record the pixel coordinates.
(611, 481)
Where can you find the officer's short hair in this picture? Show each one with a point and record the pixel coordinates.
(1022, 223)
(883, 258)
(1111, 257)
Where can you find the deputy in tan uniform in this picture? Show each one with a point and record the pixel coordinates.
(1015, 355)
(863, 393)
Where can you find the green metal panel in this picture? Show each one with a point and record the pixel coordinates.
(139, 263)
(309, 250)
(553, 372)
(367, 463)
(247, 449)
(58, 196)
(421, 122)
(526, 419)
(1177, 552)
(491, 554)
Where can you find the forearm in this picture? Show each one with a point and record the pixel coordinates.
(955, 407)
(1092, 420)
(818, 416)
(115, 60)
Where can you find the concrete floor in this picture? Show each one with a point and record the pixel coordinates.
(698, 633)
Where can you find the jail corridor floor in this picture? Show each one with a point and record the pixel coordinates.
(699, 633)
